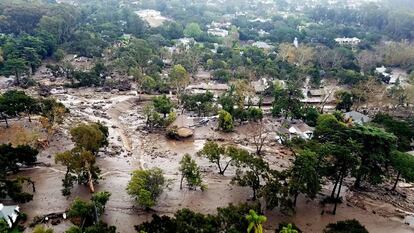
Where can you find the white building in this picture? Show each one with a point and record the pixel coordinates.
(301, 130)
(348, 41)
(262, 45)
(218, 32)
(9, 214)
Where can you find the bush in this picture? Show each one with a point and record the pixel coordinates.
(225, 121)
(347, 226)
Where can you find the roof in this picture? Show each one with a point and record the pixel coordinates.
(394, 79)
(218, 32)
(357, 117)
(317, 92)
(301, 128)
(262, 45)
(9, 212)
(260, 85)
(282, 130)
(209, 86)
(348, 40)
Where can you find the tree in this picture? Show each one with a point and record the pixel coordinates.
(201, 103)
(344, 100)
(259, 136)
(83, 210)
(304, 175)
(179, 78)
(367, 60)
(42, 229)
(216, 154)
(52, 114)
(310, 115)
(403, 163)
(347, 226)
(80, 165)
(329, 128)
(13, 103)
(193, 30)
(100, 199)
(401, 129)
(225, 121)
(303, 55)
(227, 219)
(287, 101)
(255, 222)
(343, 162)
(100, 227)
(190, 171)
(189, 58)
(375, 153)
(138, 53)
(254, 114)
(163, 105)
(90, 137)
(254, 169)
(369, 92)
(288, 229)
(17, 67)
(89, 212)
(146, 186)
(11, 158)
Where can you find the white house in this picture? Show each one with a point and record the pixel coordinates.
(348, 41)
(218, 32)
(9, 214)
(301, 130)
(262, 45)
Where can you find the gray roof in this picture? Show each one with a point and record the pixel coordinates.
(316, 92)
(357, 117)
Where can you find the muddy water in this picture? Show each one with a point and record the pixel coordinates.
(309, 218)
(138, 151)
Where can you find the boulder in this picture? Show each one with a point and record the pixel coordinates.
(174, 132)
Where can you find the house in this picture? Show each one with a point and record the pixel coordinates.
(221, 25)
(356, 117)
(316, 93)
(263, 33)
(215, 88)
(394, 79)
(260, 85)
(301, 130)
(9, 214)
(152, 17)
(218, 32)
(185, 42)
(348, 41)
(282, 135)
(262, 45)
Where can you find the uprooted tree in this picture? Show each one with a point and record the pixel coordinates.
(80, 162)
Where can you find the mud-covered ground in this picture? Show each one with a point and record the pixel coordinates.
(131, 147)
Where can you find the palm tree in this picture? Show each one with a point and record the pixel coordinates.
(288, 229)
(255, 222)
